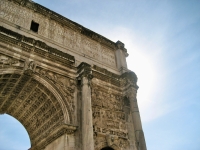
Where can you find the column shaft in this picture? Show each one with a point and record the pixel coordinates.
(87, 127)
(137, 120)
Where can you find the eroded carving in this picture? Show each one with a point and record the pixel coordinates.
(108, 114)
(114, 142)
(7, 62)
(64, 84)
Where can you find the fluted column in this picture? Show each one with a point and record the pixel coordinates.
(86, 108)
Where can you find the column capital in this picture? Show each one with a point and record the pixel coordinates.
(84, 73)
(121, 54)
(129, 80)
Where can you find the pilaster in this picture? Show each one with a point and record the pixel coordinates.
(121, 54)
(85, 76)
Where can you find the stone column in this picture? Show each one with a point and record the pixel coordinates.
(136, 119)
(135, 132)
(87, 125)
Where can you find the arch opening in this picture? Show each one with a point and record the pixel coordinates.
(13, 134)
(34, 105)
(107, 148)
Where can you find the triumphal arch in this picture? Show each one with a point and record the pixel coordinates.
(68, 86)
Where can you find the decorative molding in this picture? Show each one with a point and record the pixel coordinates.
(65, 84)
(31, 45)
(59, 131)
(10, 62)
(84, 70)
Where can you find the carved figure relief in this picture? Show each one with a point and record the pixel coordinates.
(109, 117)
(7, 62)
(64, 84)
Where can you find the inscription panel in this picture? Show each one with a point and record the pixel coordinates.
(57, 32)
(15, 14)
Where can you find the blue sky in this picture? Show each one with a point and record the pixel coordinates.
(163, 41)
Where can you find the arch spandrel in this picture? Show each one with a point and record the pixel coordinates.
(37, 105)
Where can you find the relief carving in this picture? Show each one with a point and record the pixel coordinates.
(29, 67)
(114, 142)
(108, 113)
(9, 62)
(64, 84)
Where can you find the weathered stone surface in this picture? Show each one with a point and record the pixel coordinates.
(69, 86)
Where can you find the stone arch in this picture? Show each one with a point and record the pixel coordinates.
(61, 99)
(37, 104)
(107, 148)
(102, 144)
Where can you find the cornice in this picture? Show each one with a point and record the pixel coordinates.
(66, 22)
(125, 80)
(105, 75)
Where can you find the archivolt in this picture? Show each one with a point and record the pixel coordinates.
(36, 103)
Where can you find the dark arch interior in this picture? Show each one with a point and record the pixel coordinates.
(107, 148)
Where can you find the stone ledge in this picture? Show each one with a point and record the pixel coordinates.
(29, 44)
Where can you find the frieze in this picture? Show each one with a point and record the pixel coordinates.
(10, 62)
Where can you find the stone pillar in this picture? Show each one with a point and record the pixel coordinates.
(136, 135)
(121, 54)
(87, 125)
(136, 119)
(65, 142)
